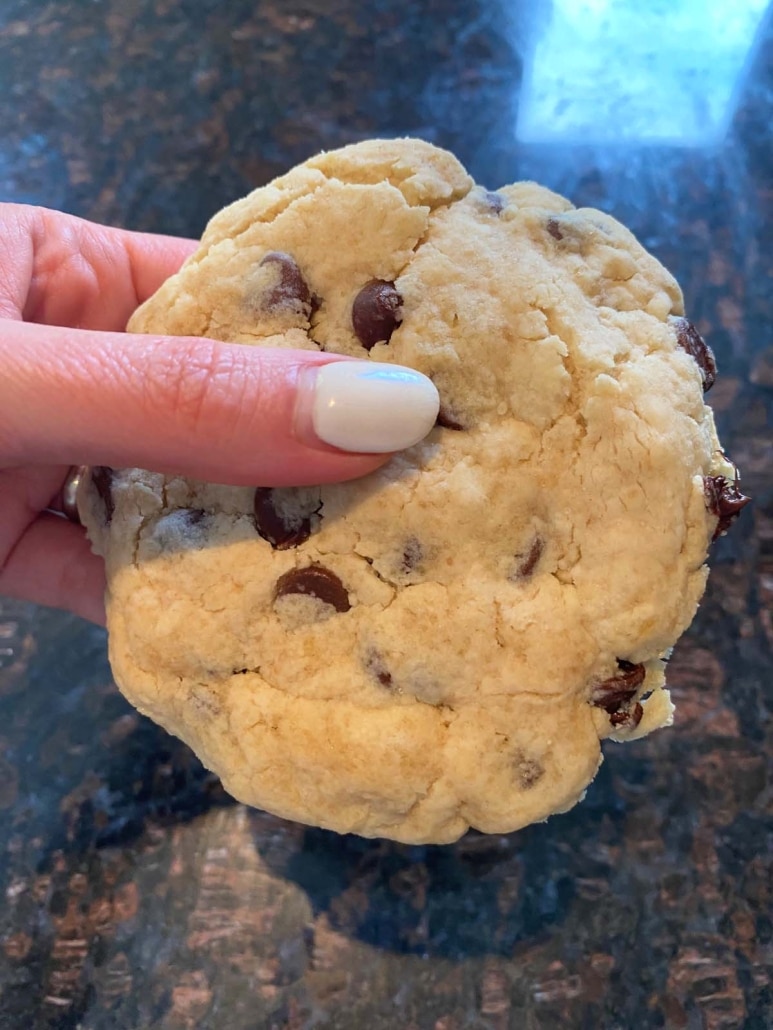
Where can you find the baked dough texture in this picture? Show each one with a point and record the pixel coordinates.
(444, 643)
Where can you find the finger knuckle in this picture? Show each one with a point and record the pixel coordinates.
(199, 383)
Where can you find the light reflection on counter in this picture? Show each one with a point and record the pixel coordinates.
(636, 71)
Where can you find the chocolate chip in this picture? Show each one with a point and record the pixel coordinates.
(615, 693)
(528, 770)
(629, 718)
(102, 478)
(376, 312)
(314, 581)
(527, 562)
(283, 525)
(554, 230)
(376, 666)
(292, 291)
(495, 201)
(413, 555)
(448, 421)
(725, 500)
(690, 340)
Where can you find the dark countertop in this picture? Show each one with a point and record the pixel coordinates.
(137, 894)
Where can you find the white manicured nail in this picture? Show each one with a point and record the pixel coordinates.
(371, 407)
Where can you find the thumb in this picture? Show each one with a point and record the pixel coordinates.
(222, 412)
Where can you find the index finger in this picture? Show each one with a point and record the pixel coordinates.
(56, 269)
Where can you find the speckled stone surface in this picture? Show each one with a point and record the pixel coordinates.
(136, 894)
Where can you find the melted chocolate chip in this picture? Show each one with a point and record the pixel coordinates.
(725, 500)
(630, 718)
(527, 562)
(376, 313)
(314, 581)
(292, 290)
(102, 478)
(495, 201)
(282, 529)
(690, 340)
(615, 693)
(447, 420)
(413, 554)
(554, 230)
(528, 770)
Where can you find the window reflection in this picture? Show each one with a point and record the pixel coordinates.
(639, 71)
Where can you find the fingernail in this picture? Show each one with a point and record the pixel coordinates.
(370, 407)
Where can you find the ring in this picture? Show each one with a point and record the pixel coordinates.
(70, 487)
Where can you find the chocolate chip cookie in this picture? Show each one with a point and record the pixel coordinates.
(444, 643)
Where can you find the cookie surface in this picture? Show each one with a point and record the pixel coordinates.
(445, 642)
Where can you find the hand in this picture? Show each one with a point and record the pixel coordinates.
(76, 390)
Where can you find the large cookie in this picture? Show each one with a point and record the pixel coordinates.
(444, 643)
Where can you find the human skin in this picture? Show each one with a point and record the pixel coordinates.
(77, 390)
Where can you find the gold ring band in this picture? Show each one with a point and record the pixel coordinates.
(70, 487)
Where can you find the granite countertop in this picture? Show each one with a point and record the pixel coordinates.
(137, 894)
